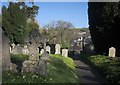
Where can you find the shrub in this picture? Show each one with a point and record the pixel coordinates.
(109, 67)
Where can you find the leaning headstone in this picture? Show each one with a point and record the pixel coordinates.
(48, 49)
(57, 49)
(65, 52)
(112, 52)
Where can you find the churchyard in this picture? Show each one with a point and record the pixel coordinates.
(57, 52)
(37, 62)
(21, 63)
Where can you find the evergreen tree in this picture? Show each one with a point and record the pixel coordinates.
(14, 22)
(103, 25)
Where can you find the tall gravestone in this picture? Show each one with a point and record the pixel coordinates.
(33, 51)
(57, 49)
(0, 55)
(112, 52)
(48, 49)
(6, 61)
(65, 52)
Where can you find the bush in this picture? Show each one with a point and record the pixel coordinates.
(110, 67)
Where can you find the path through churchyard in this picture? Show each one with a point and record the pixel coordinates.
(86, 74)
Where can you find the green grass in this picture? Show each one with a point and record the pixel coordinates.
(109, 67)
(61, 70)
(18, 57)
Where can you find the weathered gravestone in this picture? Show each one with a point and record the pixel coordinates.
(57, 49)
(6, 61)
(42, 51)
(48, 49)
(65, 52)
(33, 51)
(112, 52)
(37, 66)
(17, 49)
(25, 50)
(10, 49)
(13, 46)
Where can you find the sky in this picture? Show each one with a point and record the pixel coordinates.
(74, 12)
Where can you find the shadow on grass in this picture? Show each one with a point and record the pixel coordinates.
(85, 65)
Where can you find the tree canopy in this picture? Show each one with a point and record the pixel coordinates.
(14, 20)
(103, 24)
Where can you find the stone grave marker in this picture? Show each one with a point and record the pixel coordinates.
(6, 61)
(112, 52)
(13, 46)
(17, 49)
(48, 49)
(42, 51)
(65, 52)
(57, 49)
(25, 50)
(33, 51)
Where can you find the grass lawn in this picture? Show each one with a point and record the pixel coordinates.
(61, 70)
(109, 67)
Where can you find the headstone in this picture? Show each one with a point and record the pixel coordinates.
(25, 50)
(48, 49)
(65, 52)
(57, 49)
(10, 49)
(37, 67)
(42, 51)
(6, 61)
(13, 46)
(112, 52)
(33, 51)
(17, 49)
(5, 51)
